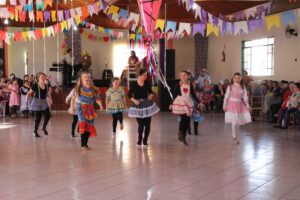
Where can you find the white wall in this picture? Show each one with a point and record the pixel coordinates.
(185, 54)
(286, 51)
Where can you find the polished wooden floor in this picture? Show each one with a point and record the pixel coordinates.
(266, 164)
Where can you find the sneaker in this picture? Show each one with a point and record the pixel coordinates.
(35, 134)
(138, 146)
(88, 148)
(83, 148)
(145, 147)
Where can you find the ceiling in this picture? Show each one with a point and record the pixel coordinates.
(171, 10)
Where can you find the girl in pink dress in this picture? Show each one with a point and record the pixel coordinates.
(14, 98)
(236, 105)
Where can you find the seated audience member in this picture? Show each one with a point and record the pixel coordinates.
(273, 97)
(285, 90)
(208, 94)
(247, 79)
(256, 89)
(202, 77)
(219, 96)
(292, 107)
(225, 84)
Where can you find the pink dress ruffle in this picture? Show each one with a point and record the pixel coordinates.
(236, 103)
(183, 105)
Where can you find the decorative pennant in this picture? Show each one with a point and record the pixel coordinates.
(70, 23)
(60, 15)
(24, 35)
(31, 16)
(67, 14)
(113, 10)
(50, 31)
(57, 28)
(273, 20)
(40, 6)
(184, 27)
(199, 28)
(197, 10)
(241, 26)
(13, 2)
(22, 2)
(22, 16)
(160, 23)
(210, 28)
(38, 34)
(149, 11)
(47, 16)
(18, 36)
(85, 12)
(96, 7)
(289, 18)
(171, 26)
(123, 14)
(72, 13)
(28, 7)
(256, 24)
(133, 19)
(53, 15)
(31, 35)
(77, 19)
(44, 32)
(63, 25)
(78, 11)
(47, 3)
(39, 16)
(90, 9)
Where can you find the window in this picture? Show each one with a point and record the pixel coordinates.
(258, 57)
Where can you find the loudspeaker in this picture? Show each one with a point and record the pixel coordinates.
(165, 98)
(170, 64)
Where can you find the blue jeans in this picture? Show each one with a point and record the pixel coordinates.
(285, 115)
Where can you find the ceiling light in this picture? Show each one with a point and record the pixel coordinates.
(6, 21)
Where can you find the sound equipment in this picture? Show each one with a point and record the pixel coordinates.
(107, 74)
(101, 83)
(170, 64)
(165, 99)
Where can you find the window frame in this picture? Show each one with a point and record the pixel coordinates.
(243, 47)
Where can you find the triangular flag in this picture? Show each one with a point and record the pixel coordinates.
(78, 11)
(39, 16)
(184, 27)
(160, 23)
(240, 26)
(53, 15)
(31, 16)
(289, 18)
(48, 3)
(210, 28)
(60, 15)
(273, 20)
(31, 35)
(24, 35)
(171, 26)
(63, 25)
(50, 31)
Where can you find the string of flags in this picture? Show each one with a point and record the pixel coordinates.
(22, 11)
(96, 38)
(36, 34)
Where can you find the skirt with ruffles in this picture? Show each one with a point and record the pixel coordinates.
(146, 108)
(183, 105)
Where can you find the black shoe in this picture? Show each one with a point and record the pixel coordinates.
(196, 132)
(35, 134)
(189, 131)
(180, 136)
(45, 131)
(277, 126)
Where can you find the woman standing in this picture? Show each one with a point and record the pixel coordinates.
(14, 98)
(143, 107)
(39, 103)
(87, 95)
(236, 105)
